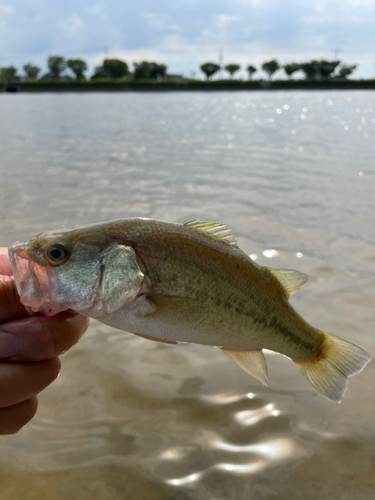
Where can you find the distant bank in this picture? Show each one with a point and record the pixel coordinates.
(108, 85)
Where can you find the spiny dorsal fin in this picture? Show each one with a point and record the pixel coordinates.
(252, 361)
(214, 231)
(290, 280)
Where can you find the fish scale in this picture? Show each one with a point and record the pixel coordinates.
(175, 283)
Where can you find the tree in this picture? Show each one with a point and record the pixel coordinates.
(116, 68)
(8, 74)
(56, 65)
(251, 69)
(100, 73)
(149, 70)
(270, 67)
(31, 71)
(232, 69)
(209, 69)
(158, 70)
(78, 66)
(112, 68)
(326, 68)
(291, 68)
(315, 70)
(311, 69)
(346, 70)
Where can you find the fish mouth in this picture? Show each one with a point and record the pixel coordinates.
(31, 280)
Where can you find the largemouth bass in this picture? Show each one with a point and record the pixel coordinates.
(175, 283)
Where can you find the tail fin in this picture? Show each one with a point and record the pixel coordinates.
(337, 361)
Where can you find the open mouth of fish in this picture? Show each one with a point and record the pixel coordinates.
(32, 281)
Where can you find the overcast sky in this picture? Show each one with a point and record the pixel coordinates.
(185, 33)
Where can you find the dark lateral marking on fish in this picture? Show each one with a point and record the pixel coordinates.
(296, 339)
(271, 322)
(240, 308)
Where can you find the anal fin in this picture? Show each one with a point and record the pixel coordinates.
(252, 361)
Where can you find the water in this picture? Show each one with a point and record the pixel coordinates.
(293, 175)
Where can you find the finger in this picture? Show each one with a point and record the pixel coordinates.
(37, 338)
(22, 381)
(10, 305)
(5, 267)
(13, 418)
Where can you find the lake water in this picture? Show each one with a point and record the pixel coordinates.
(293, 175)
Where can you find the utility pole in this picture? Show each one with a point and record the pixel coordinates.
(105, 52)
(336, 52)
(221, 59)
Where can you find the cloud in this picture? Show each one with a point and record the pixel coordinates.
(184, 33)
(70, 24)
(156, 21)
(5, 9)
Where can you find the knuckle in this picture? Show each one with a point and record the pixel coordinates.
(31, 409)
(78, 323)
(8, 298)
(48, 372)
(18, 416)
(12, 430)
(7, 291)
(54, 368)
(84, 323)
(3, 384)
(6, 384)
(65, 332)
(21, 381)
(27, 412)
(46, 342)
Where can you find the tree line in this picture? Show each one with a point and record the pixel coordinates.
(115, 68)
(314, 70)
(111, 68)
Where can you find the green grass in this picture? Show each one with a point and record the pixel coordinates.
(190, 84)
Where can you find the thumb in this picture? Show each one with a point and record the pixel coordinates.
(5, 268)
(10, 305)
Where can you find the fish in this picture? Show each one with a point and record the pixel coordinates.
(171, 283)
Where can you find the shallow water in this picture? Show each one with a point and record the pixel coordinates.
(293, 175)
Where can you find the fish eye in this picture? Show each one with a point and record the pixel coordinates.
(57, 254)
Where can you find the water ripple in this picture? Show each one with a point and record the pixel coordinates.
(183, 465)
(293, 176)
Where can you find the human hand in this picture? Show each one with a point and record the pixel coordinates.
(29, 350)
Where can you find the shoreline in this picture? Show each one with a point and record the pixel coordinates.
(192, 85)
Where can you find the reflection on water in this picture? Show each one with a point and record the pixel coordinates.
(242, 458)
(292, 174)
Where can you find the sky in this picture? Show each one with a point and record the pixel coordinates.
(186, 33)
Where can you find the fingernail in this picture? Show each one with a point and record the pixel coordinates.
(9, 345)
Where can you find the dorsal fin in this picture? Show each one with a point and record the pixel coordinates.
(213, 230)
(290, 280)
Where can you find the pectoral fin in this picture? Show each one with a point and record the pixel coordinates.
(252, 361)
(163, 341)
